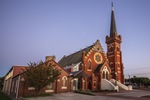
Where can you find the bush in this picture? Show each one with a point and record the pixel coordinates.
(3, 96)
(104, 90)
(41, 95)
(84, 92)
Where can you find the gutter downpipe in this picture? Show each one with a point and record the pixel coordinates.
(18, 87)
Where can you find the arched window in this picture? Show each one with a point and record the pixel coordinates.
(105, 73)
(64, 79)
(94, 83)
(50, 86)
(89, 64)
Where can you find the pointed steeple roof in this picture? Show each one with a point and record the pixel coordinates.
(113, 28)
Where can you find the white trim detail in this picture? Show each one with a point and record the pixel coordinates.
(63, 87)
(105, 69)
(22, 79)
(49, 91)
(64, 80)
(31, 88)
(64, 77)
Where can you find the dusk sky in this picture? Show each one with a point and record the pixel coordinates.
(33, 29)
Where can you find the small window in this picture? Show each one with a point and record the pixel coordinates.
(64, 79)
(75, 68)
(50, 86)
(94, 83)
(89, 64)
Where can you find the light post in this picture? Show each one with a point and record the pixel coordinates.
(129, 79)
(116, 78)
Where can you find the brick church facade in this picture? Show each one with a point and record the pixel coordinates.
(114, 53)
(87, 69)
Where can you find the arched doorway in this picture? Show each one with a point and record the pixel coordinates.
(105, 73)
(90, 85)
(80, 83)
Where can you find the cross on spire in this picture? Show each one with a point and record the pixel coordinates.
(112, 6)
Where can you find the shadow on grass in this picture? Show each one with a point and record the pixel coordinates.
(84, 92)
(146, 96)
(32, 96)
(3, 96)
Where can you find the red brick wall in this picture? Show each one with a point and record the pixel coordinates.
(86, 58)
(23, 85)
(115, 57)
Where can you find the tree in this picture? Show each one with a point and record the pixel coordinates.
(145, 81)
(1, 82)
(41, 74)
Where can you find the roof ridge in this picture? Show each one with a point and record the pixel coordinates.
(77, 56)
(76, 52)
(78, 72)
(79, 50)
(74, 57)
(20, 66)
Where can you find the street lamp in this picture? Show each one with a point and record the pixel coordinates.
(129, 79)
(116, 78)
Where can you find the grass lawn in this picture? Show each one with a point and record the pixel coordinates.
(3, 96)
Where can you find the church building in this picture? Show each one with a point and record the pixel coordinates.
(88, 69)
(91, 67)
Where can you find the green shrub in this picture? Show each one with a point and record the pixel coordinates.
(84, 92)
(3, 96)
(104, 90)
(41, 95)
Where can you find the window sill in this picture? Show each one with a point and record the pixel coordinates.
(63, 87)
(31, 88)
(89, 69)
(49, 91)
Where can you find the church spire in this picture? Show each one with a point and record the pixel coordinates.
(113, 28)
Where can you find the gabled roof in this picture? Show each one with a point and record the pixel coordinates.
(49, 61)
(78, 74)
(73, 58)
(19, 69)
(77, 56)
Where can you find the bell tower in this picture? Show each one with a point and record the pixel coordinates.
(114, 53)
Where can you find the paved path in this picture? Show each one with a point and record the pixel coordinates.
(133, 93)
(75, 96)
(123, 95)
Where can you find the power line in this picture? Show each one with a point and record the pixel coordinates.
(136, 69)
(139, 73)
(147, 74)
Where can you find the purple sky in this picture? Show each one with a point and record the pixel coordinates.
(33, 29)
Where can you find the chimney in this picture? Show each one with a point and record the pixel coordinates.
(47, 58)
